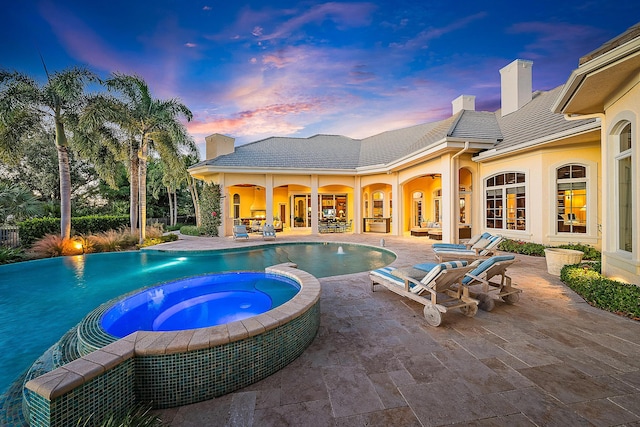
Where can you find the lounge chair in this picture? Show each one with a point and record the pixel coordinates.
(240, 231)
(463, 246)
(439, 289)
(268, 232)
(481, 275)
(483, 249)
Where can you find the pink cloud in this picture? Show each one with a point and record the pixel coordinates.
(276, 119)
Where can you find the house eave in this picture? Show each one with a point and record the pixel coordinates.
(579, 86)
(211, 170)
(495, 153)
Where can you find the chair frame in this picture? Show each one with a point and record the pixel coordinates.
(268, 232)
(445, 292)
(238, 234)
(503, 290)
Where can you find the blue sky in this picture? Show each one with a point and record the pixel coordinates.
(298, 68)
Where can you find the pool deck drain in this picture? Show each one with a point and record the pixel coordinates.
(550, 359)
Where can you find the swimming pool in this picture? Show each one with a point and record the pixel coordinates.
(40, 300)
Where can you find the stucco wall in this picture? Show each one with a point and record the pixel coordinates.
(625, 106)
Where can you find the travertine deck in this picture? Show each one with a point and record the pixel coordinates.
(549, 360)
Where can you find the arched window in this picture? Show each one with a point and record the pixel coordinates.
(571, 199)
(624, 186)
(236, 206)
(505, 201)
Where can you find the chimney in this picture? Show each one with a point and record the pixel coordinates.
(218, 145)
(516, 85)
(463, 102)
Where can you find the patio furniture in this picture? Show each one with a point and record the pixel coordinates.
(483, 249)
(481, 276)
(462, 246)
(240, 231)
(255, 226)
(440, 289)
(268, 232)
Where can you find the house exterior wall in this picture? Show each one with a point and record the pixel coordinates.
(624, 106)
(540, 169)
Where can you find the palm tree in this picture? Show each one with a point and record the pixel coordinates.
(151, 123)
(18, 203)
(24, 104)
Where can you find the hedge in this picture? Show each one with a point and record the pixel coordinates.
(602, 292)
(536, 249)
(36, 228)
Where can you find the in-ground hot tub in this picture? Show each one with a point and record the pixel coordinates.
(177, 367)
(198, 302)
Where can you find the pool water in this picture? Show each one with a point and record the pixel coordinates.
(198, 302)
(41, 300)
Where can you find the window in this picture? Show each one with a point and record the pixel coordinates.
(378, 204)
(437, 205)
(571, 199)
(417, 209)
(625, 190)
(236, 206)
(506, 201)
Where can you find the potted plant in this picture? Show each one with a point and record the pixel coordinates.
(558, 258)
(299, 221)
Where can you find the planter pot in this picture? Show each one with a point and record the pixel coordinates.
(558, 258)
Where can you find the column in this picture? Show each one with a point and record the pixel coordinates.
(314, 204)
(269, 198)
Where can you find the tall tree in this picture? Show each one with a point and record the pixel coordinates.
(24, 104)
(149, 123)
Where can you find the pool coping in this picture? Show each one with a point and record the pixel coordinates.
(80, 371)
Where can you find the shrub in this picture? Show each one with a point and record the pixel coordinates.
(156, 228)
(602, 292)
(9, 255)
(36, 228)
(53, 245)
(192, 230)
(524, 248)
(114, 240)
(150, 241)
(176, 227)
(590, 253)
(210, 211)
(536, 249)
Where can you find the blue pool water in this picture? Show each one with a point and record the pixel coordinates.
(198, 302)
(41, 300)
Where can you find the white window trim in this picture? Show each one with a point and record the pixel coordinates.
(617, 156)
(527, 197)
(592, 201)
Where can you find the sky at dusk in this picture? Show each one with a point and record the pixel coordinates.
(252, 70)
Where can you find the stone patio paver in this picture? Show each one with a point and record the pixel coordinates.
(549, 360)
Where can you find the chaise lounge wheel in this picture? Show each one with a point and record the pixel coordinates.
(486, 302)
(512, 298)
(432, 314)
(469, 310)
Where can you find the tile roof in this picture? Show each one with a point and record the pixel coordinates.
(535, 120)
(531, 122)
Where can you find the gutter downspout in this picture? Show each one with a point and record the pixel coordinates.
(454, 207)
